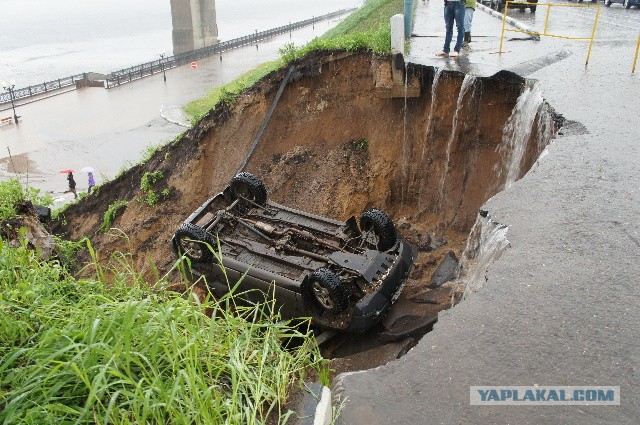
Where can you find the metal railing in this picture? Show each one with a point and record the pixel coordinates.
(42, 88)
(635, 58)
(546, 24)
(136, 72)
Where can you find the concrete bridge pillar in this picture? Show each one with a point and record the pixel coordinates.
(194, 24)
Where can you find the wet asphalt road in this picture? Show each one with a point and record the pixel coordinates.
(560, 307)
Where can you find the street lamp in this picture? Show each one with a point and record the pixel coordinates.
(9, 87)
(164, 74)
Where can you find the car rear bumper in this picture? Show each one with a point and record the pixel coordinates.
(371, 308)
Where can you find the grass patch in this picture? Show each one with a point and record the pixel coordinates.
(368, 18)
(96, 352)
(229, 92)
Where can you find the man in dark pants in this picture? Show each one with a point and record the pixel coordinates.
(72, 185)
(453, 11)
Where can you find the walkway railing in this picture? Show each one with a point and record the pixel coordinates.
(133, 73)
(42, 88)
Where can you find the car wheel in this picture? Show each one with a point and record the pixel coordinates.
(377, 229)
(249, 189)
(327, 291)
(193, 242)
(607, 3)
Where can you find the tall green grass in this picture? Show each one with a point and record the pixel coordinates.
(91, 352)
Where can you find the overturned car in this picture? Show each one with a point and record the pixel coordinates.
(345, 275)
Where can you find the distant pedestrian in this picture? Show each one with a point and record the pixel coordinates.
(92, 182)
(453, 11)
(468, 17)
(72, 185)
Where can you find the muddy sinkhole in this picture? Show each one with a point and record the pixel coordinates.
(342, 138)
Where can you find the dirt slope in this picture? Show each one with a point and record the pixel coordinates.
(336, 144)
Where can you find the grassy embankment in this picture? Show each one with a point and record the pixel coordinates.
(367, 28)
(120, 350)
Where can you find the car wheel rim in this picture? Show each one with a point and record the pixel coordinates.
(322, 295)
(369, 236)
(243, 191)
(192, 249)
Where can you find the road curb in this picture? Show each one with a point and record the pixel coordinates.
(316, 405)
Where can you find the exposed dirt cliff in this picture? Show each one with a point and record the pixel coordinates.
(342, 138)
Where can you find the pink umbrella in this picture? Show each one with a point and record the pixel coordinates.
(65, 171)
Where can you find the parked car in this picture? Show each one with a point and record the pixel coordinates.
(626, 3)
(498, 5)
(344, 275)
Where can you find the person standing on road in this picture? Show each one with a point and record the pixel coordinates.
(72, 185)
(468, 17)
(453, 11)
(92, 182)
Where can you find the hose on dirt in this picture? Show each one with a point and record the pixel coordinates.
(283, 84)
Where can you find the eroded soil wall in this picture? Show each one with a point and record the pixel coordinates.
(342, 138)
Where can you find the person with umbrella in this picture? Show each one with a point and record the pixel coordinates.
(92, 182)
(89, 171)
(72, 185)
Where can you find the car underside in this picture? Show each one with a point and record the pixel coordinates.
(344, 275)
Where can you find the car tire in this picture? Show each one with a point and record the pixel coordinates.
(193, 242)
(246, 185)
(377, 229)
(607, 3)
(327, 291)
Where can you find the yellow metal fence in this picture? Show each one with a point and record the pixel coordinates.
(545, 32)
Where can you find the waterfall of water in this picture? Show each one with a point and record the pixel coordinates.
(487, 241)
(468, 83)
(434, 87)
(517, 131)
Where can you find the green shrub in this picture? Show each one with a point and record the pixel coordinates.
(12, 192)
(112, 213)
(146, 184)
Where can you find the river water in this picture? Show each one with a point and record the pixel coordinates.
(42, 40)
